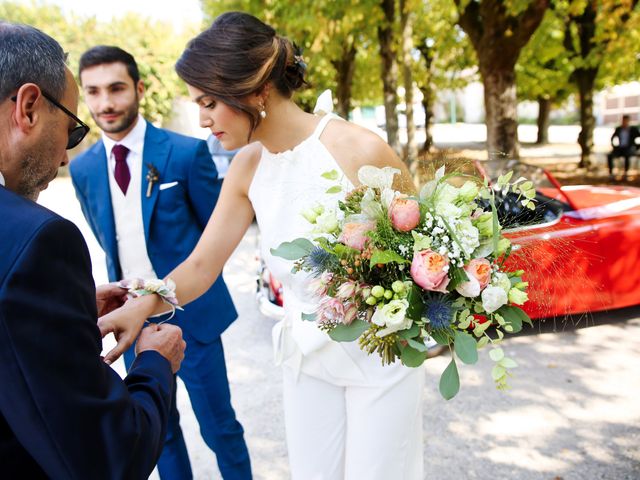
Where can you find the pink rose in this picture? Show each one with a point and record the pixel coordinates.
(429, 270)
(479, 272)
(480, 269)
(404, 214)
(354, 234)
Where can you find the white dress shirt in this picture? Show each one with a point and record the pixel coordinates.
(1, 179)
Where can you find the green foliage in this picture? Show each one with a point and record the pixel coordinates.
(450, 381)
(349, 333)
(293, 250)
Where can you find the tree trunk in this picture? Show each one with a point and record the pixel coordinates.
(345, 68)
(500, 105)
(427, 105)
(585, 79)
(389, 73)
(544, 108)
(406, 22)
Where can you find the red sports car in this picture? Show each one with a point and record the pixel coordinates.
(580, 248)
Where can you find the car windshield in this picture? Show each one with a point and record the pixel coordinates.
(511, 213)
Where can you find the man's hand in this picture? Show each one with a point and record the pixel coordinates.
(165, 339)
(109, 297)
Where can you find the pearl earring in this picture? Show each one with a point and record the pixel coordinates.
(263, 112)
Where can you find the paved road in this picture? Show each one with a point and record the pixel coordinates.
(573, 412)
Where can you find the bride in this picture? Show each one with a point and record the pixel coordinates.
(346, 416)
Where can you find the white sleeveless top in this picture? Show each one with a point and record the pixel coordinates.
(283, 185)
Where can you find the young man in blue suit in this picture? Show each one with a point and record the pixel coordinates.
(147, 194)
(63, 412)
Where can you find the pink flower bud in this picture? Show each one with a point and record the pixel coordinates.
(429, 270)
(480, 269)
(404, 214)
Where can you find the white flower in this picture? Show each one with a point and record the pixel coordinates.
(470, 288)
(370, 206)
(392, 316)
(327, 222)
(493, 298)
(154, 285)
(501, 280)
(375, 177)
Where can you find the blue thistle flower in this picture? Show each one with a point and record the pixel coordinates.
(439, 311)
(319, 260)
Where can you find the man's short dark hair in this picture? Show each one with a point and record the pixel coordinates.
(104, 54)
(28, 55)
(626, 116)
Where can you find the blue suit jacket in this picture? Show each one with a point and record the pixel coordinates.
(64, 413)
(173, 218)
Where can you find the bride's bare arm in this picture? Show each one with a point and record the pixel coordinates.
(193, 277)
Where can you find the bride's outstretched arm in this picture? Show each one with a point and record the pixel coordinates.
(194, 276)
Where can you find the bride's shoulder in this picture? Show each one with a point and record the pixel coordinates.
(347, 138)
(244, 164)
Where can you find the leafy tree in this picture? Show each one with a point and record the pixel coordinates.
(594, 31)
(543, 71)
(389, 72)
(499, 30)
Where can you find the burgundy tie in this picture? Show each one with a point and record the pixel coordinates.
(121, 173)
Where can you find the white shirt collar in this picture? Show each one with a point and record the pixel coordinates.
(134, 140)
(1, 179)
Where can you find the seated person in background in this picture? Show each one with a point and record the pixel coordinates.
(626, 146)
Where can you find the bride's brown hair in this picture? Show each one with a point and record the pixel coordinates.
(237, 56)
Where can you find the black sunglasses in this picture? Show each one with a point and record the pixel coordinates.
(77, 133)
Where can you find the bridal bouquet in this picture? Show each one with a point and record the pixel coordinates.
(394, 271)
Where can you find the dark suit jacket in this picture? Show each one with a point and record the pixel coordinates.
(173, 218)
(634, 133)
(64, 413)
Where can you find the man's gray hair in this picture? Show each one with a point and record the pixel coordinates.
(28, 55)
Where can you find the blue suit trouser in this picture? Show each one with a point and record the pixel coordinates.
(204, 374)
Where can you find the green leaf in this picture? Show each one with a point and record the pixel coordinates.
(349, 333)
(450, 381)
(497, 372)
(416, 306)
(496, 354)
(515, 316)
(483, 342)
(465, 347)
(412, 357)
(294, 250)
(334, 189)
(385, 256)
(344, 251)
(441, 336)
(507, 362)
(331, 175)
(310, 317)
(420, 346)
(409, 333)
(457, 276)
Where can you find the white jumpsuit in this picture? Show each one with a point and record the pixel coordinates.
(347, 417)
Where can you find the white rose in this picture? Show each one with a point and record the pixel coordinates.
(493, 298)
(392, 316)
(154, 285)
(375, 177)
(501, 280)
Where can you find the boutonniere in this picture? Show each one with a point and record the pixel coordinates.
(152, 177)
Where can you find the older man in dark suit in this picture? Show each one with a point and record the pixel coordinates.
(64, 413)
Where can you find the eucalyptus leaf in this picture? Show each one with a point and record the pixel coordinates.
(496, 354)
(310, 317)
(293, 250)
(465, 347)
(410, 332)
(349, 333)
(420, 346)
(508, 363)
(412, 357)
(483, 342)
(497, 372)
(450, 381)
(441, 336)
(334, 189)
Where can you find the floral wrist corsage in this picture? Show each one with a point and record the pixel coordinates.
(138, 287)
